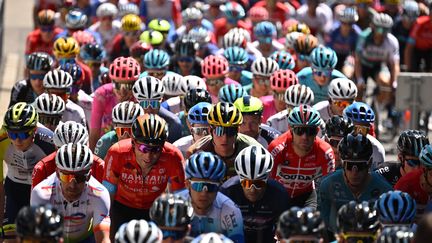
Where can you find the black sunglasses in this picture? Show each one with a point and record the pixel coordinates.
(309, 131)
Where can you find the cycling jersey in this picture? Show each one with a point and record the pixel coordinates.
(297, 174)
(123, 176)
(88, 214)
(106, 35)
(35, 43)
(173, 104)
(85, 101)
(280, 11)
(306, 77)
(184, 143)
(175, 126)
(420, 33)
(334, 193)
(279, 121)
(260, 217)
(391, 171)
(321, 22)
(267, 135)
(269, 107)
(206, 144)
(276, 46)
(224, 217)
(74, 112)
(169, 10)
(105, 142)
(22, 92)
(119, 48)
(46, 166)
(343, 45)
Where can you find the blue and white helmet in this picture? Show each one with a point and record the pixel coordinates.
(304, 115)
(198, 113)
(323, 58)
(205, 165)
(231, 92)
(76, 19)
(396, 207)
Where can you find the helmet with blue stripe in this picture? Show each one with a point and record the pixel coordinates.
(265, 29)
(426, 156)
(205, 165)
(156, 59)
(360, 112)
(233, 10)
(323, 58)
(198, 113)
(304, 115)
(231, 92)
(396, 207)
(284, 59)
(236, 55)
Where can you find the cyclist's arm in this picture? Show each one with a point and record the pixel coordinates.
(102, 146)
(393, 63)
(101, 219)
(328, 163)
(39, 174)
(408, 55)
(232, 223)
(96, 119)
(324, 200)
(358, 69)
(111, 173)
(177, 177)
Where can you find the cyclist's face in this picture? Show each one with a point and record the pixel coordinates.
(356, 176)
(409, 163)
(303, 142)
(201, 200)
(123, 94)
(253, 194)
(261, 84)
(224, 144)
(279, 103)
(36, 81)
(23, 144)
(148, 158)
(71, 190)
(338, 105)
(250, 125)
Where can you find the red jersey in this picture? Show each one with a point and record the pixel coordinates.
(47, 166)
(297, 174)
(280, 12)
(410, 183)
(86, 77)
(34, 42)
(421, 33)
(220, 27)
(133, 190)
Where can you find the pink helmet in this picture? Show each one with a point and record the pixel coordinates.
(282, 80)
(258, 14)
(83, 37)
(124, 69)
(214, 66)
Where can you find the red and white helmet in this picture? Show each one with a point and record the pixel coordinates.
(282, 80)
(124, 69)
(257, 14)
(214, 66)
(83, 37)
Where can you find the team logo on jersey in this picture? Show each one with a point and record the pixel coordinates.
(75, 219)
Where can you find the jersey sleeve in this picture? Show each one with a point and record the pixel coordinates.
(328, 162)
(39, 173)
(97, 109)
(101, 218)
(177, 176)
(394, 49)
(98, 168)
(37, 197)
(102, 146)
(112, 166)
(275, 148)
(232, 222)
(415, 31)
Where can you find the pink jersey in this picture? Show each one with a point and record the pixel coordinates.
(103, 102)
(269, 107)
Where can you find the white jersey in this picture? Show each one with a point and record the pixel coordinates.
(276, 46)
(85, 101)
(74, 112)
(82, 217)
(107, 35)
(183, 144)
(279, 121)
(378, 152)
(321, 22)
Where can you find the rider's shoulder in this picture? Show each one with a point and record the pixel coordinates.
(43, 134)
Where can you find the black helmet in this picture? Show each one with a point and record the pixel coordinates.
(195, 96)
(396, 234)
(300, 221)
(171, 210)
(355, 147)
(338, 126)
(39, 61)
(92, 52)
(43, 222)
(21, 116)
(186, 47)
(357, 217)
(74, 70)
(411, 142)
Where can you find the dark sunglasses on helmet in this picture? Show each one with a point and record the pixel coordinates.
(309, 131)
(322, 73)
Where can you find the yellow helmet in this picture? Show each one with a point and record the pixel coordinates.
(131, 22)
(66, 47)
(299, 27)
(21, 116)
(225, 114)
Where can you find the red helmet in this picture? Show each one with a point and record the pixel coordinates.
(139, 48)
(282, 80)
(124, 69)
(214, 66)
(83, 37)
(258, 14)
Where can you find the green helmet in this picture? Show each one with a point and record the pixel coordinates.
(21, 116)
(160, 25)
(152, 37)
(249, 105)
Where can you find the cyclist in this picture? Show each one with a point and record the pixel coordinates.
(163, 26)
(156, 64)
(105, 13)
(284, 59)
(224, 139)
(409, 146)
(321, 72)
(123, 115)
(197, 124)
(300, 157)
(77, 20)
(149, 92)
(357, 222)
(300, 225)
(260, 199)
(353, 182)
(184, 60)
(138, 50)
(396, 208)
(206, 41)
(397, 234)
(50, 109)
(130, 32)
(241, 38)
(68, 132)
(73, 191)
(266, 42)
(336, 128)
(304, 44)
(93, 55)
(153, 38)
(39, 223)
(157, 163)
(252, 109)
(37, 64)
(231, 92)
(213, 211)
(138, 231)
(341, 93)
(237, 64)
(233, 13)
(172, 214)
(124, 71)
(295, 95)
(363, 116)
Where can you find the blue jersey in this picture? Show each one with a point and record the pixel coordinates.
(224, 217)
(334, 193)
(305, 76)
(343, 45)
(104, 143)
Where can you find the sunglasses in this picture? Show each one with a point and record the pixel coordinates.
(279, 96)
(359, 165)
(21, 135)
(229, 131)
(208, 186)
(302, 57)
(63, 61)
(309, 131)
(342, 103)
(200, 131)
(155, 104)
(248, 184)
(37, 76)
(122, 131)
(266, 39)
(79, 178)
(382, 30)
(174, 234)
(49, 120)
(46, 28)
(236, 68)
(411, 162)
(185, 59)
(263, 81)
(156, 73)
(144, 148)
(120, 86)
(321, 73)
(363, 130)
(214, 82)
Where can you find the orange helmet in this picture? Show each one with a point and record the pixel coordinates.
(305, 44)
(46, 17)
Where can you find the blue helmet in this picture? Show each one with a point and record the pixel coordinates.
(205, 165)
(396, 207)
(231, 92)
(304, 115)
(265, 29)
(156, 59)
(233, 10)
(198, 113)
(73, 69)
(360, 112)
(236, 55)
(92, 52)
(323, 58)
(284, 59)
(426, 156)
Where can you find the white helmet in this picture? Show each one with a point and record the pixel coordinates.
(299, 94)
(70, 132)
(127, 8)
(57, 79)
(50, 104)
(173, 83)
(233, 39)
(348, 15)
(76, 19)
(126, 112)
(212, 238)
(382, 20)
(254, 163)
(192, 82)
(191, 14)
(264, 66)
(74, 157)
(342, 88)
(148, 88)
(242, 31)
(138, 231)
(106, 10)
(291, 39)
